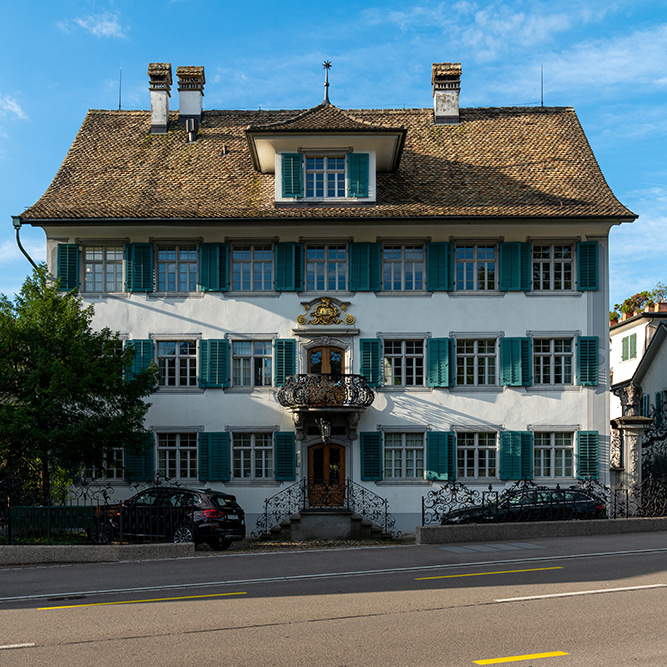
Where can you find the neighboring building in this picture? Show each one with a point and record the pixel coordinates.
(397, 297)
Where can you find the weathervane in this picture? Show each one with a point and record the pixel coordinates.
(327, 67)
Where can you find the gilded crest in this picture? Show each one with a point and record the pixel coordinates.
(325, 311)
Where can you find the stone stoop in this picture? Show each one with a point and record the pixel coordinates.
(326, 525)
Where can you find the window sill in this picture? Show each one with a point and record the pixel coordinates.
(408, 389)
(465, 389)
(404, 482)
(554, 293)
(423, 293)
(469, 293)
(241, 294)
(175, 295)
(553, 387)
(252, 482)
(325, 203)
(105, 295)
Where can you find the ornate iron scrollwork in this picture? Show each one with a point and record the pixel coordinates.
(308, 391)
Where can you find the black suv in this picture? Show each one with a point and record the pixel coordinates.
(166, 514)
(532, 505)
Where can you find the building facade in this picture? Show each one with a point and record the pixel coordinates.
(385, 299)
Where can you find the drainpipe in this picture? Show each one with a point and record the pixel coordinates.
(16, 221)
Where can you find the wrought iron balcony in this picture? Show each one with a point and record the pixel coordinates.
(325, 391)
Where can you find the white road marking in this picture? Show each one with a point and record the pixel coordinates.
(571, 593)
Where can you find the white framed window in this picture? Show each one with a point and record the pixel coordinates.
(553, 454)
(476, 455)
(476, 362)
(326, 267)
(403, 455)
(177, 455)
(403, 362)
(252, 456)
(177, 268)
(403, 267)
(475, 267)
(252, 267)
(103, 268)
(552, 360)
(112, 467)
(177, 362)
(252, 363)
(325, 177)
(552, 266)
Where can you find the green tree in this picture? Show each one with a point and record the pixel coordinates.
(68, 395)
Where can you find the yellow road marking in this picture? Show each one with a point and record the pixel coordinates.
(102, 604)
(481, 574)
(517, 658)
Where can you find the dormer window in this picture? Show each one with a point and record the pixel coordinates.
(325, 174)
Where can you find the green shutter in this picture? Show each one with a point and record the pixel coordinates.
(68, 266)
(587, 266)
(658, 409)
(365, 267)
(515, 362)
(625, 352)
(440, 362)
(370, 361)
(143, 355)
(288, 267)
(440, 267)
(140, 467)
(292, 169)
(516, 455)
(645, 405)
(214, 457)
(213, 363)
(587, 454)
(285, 360)
(213, 263)
(633, 346)
(515, 267)
(371, 456)
(139, 267)
(587, 371)
(357, 175)
(284, 449)
(440, 455)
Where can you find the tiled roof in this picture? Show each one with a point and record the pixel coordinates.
(519, 162)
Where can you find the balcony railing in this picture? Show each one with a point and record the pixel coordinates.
(325, 391)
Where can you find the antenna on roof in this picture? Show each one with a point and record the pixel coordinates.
(542, 84)
(120, 84)
(327, 67)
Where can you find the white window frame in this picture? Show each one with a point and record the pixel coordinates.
(406, 453)
(259, 282)
(184, 367)
(183, 267)
(177, 455)
(324, 169)
(552, 456)
(112, 468)
(324, 269)
(484, 270)
(552, 361)
(550, 270)
(248, 362)
(92, 265)
(252, 451)
(476, 457)
(472, 360)
(410, 363)
(408, 272)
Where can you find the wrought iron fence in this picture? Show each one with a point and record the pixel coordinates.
(326, 496)
(326, 390)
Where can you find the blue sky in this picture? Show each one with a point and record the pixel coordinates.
(606, 59)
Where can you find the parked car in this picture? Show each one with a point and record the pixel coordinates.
(531, 505)
(166, 514)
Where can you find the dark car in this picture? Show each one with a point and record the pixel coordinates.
(531, 505)
(169, 514)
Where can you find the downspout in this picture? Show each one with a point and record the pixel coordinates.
(16, 221)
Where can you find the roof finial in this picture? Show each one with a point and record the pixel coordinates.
(327, 67)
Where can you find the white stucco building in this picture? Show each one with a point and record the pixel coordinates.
(379, 298)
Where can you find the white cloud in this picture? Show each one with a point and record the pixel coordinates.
(100, 25)
(9, 251)
(10, 107)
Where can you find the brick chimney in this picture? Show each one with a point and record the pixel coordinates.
(160, 87)
(191, 82)
(446, 80)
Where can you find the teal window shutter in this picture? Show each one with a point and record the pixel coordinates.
(658, 409)
(625, 351)
(214, 457)
(139, 267)
(587, 454)
(440, 267)
(587, 266)
(285, 350)
(587, 362)
(365, 267)
(515, 267)
(645, 405)
(214, 363)
(213, 262)
(357, 175)
(370, 361)
(633, 346)
(143, 355)
(440, 362)
(288, 267)
(140, 466)
(515, 362)
(516, 455)
(292, 169)
(285, 456)
(371, 456)
(440, 455)
(68, 266)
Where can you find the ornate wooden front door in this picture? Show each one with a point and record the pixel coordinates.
(326, 475)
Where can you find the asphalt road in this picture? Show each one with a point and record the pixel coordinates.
(552, 601)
